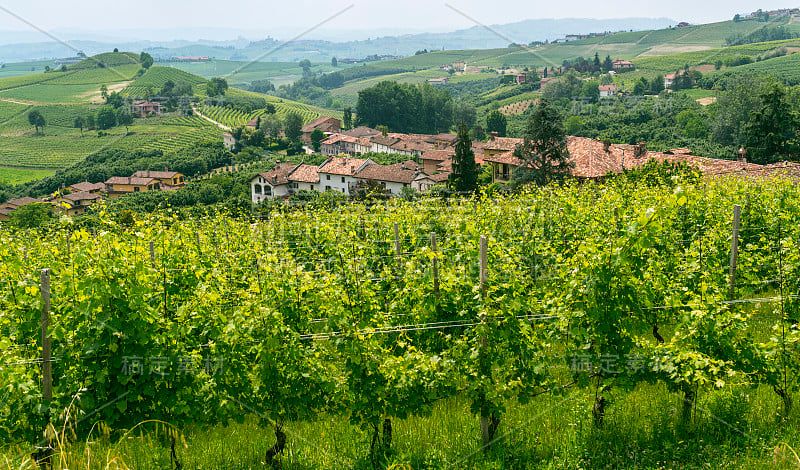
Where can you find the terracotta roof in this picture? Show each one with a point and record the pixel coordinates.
(506, 157)
(608, 88)
(81, 196)
(155, 174)
(22, 201)
(362, 131)
(447, 137)
(384, 140)
(129, 180)
(87, 186)
(441, 177)
(278, 175)
(341, 166)
(397, 173)
(437, 155)
(253, 122)
(305, 174)
(502, 143)
(318, 122)
(410, 146)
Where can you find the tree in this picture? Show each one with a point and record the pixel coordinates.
(464, 177)
(305, 64)
(216, 87)
(736, 18)
(293, 126)
(116, 49)
(657, 85)
(771, 132)
(31, 215)
(608, 64)
(496, 122)
(543, 153)
(36, 119)
(269, 108)
(316, 137)
(334, 62)
(46, 68)
(79, 123)
(124, 118)
(466, 113)
(90, 121)
(271, 125)
(347, 119)
(106, 118)
(146, 60)
(596, 61)
(640, 87)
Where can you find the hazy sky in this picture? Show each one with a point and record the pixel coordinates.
(284, 17)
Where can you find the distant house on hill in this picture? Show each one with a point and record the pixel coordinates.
(166, 178)
(608, 90)
(86, 186)
(620, 65)
(119, 185)
(325, 124)
(439, 81)
(228, 141)
(143, 108)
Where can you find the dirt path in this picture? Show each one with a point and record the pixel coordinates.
(16, 102)
(222, 126)
(642, 38)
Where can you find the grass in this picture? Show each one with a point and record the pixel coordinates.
(22, 175)
(641, 430)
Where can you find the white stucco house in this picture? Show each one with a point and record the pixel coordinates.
(338, 173)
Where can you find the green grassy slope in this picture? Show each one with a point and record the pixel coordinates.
(62, 96)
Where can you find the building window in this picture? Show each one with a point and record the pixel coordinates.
(342, 179)
(328, 177)
(257, 188)
(327, 188)
(268, 190)
(312, 187)
(136, 189)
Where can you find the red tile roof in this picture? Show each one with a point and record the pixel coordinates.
(305, 174)
(22, 201)
(322, 123)
(130, 180)
(155, 174)
(81, 196)
(361, 131)
(502, 143)
(437, 155)
(397, 173)
(87, 186)
(278, 175)
(341, 166)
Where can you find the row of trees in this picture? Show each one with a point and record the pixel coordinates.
(409, 108)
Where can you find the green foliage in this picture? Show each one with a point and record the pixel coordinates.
(767, 33)
(31, 215)
(216, 87)
(496, 122)
(544, 156)
(293, 126)
(771, 133)
(405, 108)
(464, 178)
(36, 119)
(146, 60)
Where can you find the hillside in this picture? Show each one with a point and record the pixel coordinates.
(61, 97)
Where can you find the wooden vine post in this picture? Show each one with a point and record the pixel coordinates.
(47, 366)
(483, 273)
(152, 254)
(397, 245)
(737, 211)
(435, 264)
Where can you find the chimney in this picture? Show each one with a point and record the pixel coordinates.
(640, 149)
(492, 135)
(607, 146)
(742, 154)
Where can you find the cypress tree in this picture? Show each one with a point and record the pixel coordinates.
(465, 173)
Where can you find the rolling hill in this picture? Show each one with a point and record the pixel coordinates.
(60, 97)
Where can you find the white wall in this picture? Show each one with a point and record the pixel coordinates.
(266, 190)
(335, 182)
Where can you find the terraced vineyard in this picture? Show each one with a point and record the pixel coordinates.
(199, 134)
(94, 76)
(516, 108)
(10, 110)
(674, 62)
(59, 151)
(63, 115)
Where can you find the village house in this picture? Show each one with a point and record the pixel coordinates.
(144, 108)
(338, 173)
(362, 131)
(608, 90)
(304, 178)
(496, 145)
(382, 143)
(325, 124)
(10, 206)
(431, 159)
(445, 140)
(254, 123)
(166, 178)
(273, 183)
(621, 65)
(119, 185)
(77, 202)
(85, 186)
(439, 81)
(228, 141)
(393, 178)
